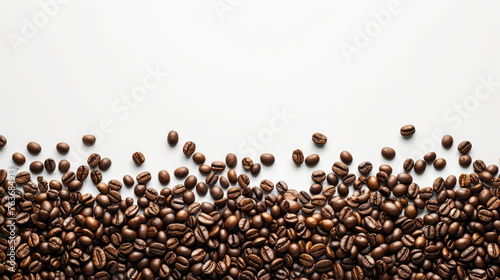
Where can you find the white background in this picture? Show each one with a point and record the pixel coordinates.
(234, 67)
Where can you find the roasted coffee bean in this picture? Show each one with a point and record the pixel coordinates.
(143, 177)
(420, 166)
(189, 148)
(82, 172)
(3, 141)
(18, 158)
(88, 139)
(447, 141)
(312, 160)
(247, 163)
(50, 165)
(64, 166)
(365, 167)
(104, 164)
(407, 130)
(298, 157)
(465, 160)
(408, 164)
(340, 169)
(93, 160)
(266, 185)
(36, 167)
(181, 172)
(172, 137)
(319, 138)
(163, 177)
(346, 157)
(255, 169)
(231, 160)
(388, 153)
(267, 159)
(464, 147)
(34, 148)
(430, 157)
(439, 163)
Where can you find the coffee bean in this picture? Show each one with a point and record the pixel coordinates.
(255, 169)
(3, 141)
(88, 139)
(50, 165)
(439, 163)
(62, 148)
(96, 176)
(312, 160)
(465, 160)
(105, 164)
(247, 163)
(34, 148)
(447, 141)
(18, 158)
(267, 159)
(407, 130)
(138, 158)
(172, 137)
(340, 169)
(298, 157)
(346, 157)
(388, 153)
(143, 177)
(93, 160)
(365, 167)
(218, 166)
(199, 158)
(82, 172)
(464, 147)
(181, 172)
(189, 148)
(231, 160)
(408, 164)
(36, 167)
(420, 166)
(319, 139)
(163, 177)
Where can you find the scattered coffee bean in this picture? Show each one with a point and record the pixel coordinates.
(465, 160)
(430, 157)
(88, 139)
(267, 159)
(172, 137)
(312, 160)
(189, 148)
(36, 167)
(231, 160)
(93, 160)
(365, 167)
(105, 164)
(440, 163)
(199, 158)
(34, 148)
(298, 157)
(346, 157)
(388, 153)
(18, 158)
(464, 147)
(319, 139)
(407, 130)
(247, 163)
(138, 158)
(255, 169)
(181, 172)
(447, 141)
(62, 148)
(64, 166)
(3, 141)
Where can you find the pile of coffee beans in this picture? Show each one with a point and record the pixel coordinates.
(369, 223)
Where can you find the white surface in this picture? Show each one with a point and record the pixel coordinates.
(228, 76)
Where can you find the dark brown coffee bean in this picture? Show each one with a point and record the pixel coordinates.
(312, 160)
(138, 158)
(340, 169)
(143, 177)
(104, 164)
(346, 157)
(468, 254)
(420, 166)
(62, 148)
(189, 148)
(298, 157)
(163, 177)
(430, 157)
(218, 166)
(408, 164)
(50, 165)
(267, 159)
(82, 172)
(365, 167)
(318, 176)
(64, 166)
(36, 167)
(464, 147)
(255, 169)
(465, 160)
(172, 137)
(34, 148)
(181, 172)
(96, 176)
(266, 185)
(231, 160)
(18, 158)
(247, 163)
(447, 141)
(319, 139)
(199, 158)
(407, 130)
(3, 141)
(388, 153)
(439, 163)
(88, 139)
(94, 160)
(99, 258)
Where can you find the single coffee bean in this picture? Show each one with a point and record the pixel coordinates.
(201, 188)
(64, 166)
(447, 141)
(298, 157)
(464, 147)
(34, 148)
(340, 169)
(36, 167)
(18, 158)
(312, 160)
(430, 157)
(189, 148)
(407, 130)
(231, 160)
(62, 148)
(439, 163)
(88, 139)
(105, 164)
(267, 159)
(465, 160)
(3, 141)
(94, 160)
(408, 164)
(420, 166)
(199, 158)
(143, 177)
(96, 176)
(50, 165)
(172, 137)
(247, 163)
(346, 157)
(181, 172)
(388, 153)
(319, 139)
(138, 158)
(255, 169)
(365, 167)
(218, 166)
(163, 177)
